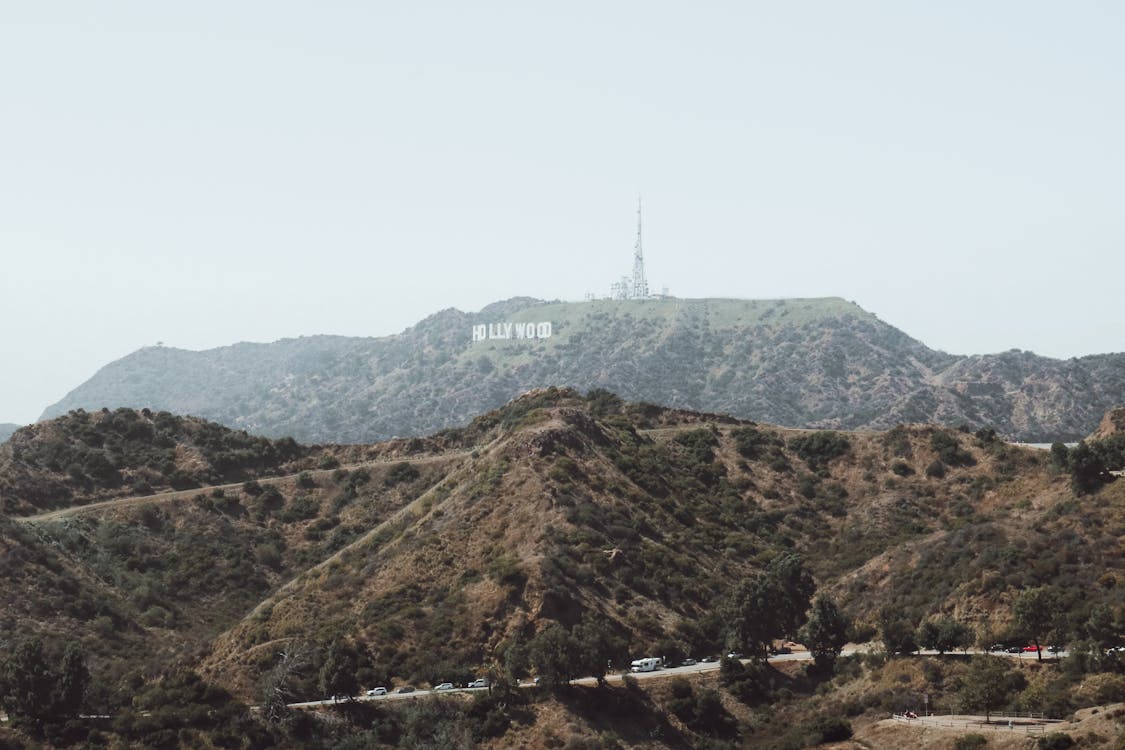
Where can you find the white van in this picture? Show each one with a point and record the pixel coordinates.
(649, 664)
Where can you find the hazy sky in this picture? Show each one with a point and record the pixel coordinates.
(210, 172)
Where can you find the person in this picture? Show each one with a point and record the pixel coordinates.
(1009, 724)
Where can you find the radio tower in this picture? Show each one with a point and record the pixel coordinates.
(640, 285)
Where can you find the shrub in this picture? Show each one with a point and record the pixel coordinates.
(818, 448)
(1055, 741)
(935, 470)
(902, 468)
(401, 472)
(753, 443)
(949, 450)
(972, 741)
(831, 728)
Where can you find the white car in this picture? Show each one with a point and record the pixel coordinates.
(479, 682)
(445, 686)
(377, 691)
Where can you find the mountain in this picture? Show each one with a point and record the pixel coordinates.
(6, 430)
(433, 558)
(822, 363)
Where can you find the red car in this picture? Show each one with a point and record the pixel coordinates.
(1032, 649)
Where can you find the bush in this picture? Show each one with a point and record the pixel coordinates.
(401, 472)
(831, 728)
(935, 470)
(949, 450)
(1055, 741)
(818, 448)
(972, 741)
(902, 468)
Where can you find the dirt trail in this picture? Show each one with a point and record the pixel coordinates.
(173, 495)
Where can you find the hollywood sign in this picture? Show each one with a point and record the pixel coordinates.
(492, 331)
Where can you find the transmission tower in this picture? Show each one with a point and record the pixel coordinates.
(640, 285)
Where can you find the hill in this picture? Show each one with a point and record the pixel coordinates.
(822, 363)
(435, 559)
(84, 457)
(6, 430)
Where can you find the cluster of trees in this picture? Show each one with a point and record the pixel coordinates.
(34, 687)
(1090, 463)
(558, 654)
(775, 604)
(940, 634)
(1042, 616)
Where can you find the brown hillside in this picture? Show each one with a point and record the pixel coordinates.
(431, 556)
(1113, 423)
(573, 510)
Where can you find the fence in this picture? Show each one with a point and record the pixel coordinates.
(1028, 723)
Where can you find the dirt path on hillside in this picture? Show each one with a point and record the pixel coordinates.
(173, 495)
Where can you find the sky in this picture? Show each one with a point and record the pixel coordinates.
(205, 173)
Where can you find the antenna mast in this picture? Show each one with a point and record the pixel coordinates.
(640, 284)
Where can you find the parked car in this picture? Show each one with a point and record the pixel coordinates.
(377, 691)
(1056, 649)
(1015, 650)
(405, 689)
(445, 686)
(708, 659)
(479, 682)
(997, 647)
(1031, 648)
(687, 663)
(734, 655)
(784, 650)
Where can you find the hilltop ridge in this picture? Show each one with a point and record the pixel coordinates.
(823, 363)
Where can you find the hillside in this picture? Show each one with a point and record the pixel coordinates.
(431, 559)
(822, 363)
(84, 457)
(6, 430)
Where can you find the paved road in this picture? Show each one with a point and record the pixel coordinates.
(654, 675)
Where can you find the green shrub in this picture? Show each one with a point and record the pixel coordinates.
(831, 728)
(973, 741)
(1055, 741)
(817, 449)
(902, 468)
(949, 450)
(401, 472)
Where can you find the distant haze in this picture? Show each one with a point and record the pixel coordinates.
(207, 173)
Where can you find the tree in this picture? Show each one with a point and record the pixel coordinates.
(1060, 456)
(826, 632)
(27, 682)
(1087, 470)
(944, 634)
(276, 686)
(337, 674)
(770, 605)
(897, 632)
(594, 647)
(985, 687)
(1037, 614)
(73, 679)
(553, 655)
(1100, 626)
